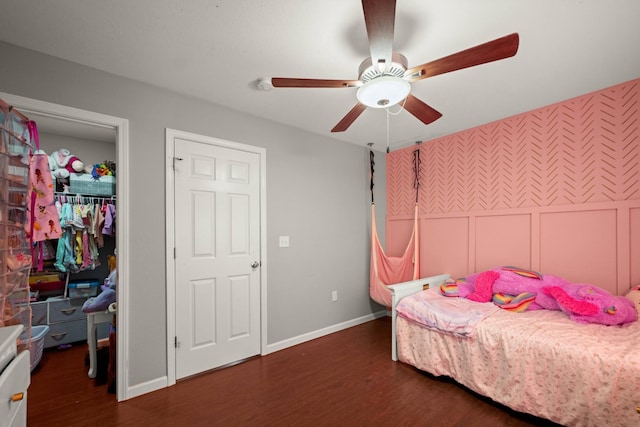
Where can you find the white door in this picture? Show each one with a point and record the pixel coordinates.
(217, 237)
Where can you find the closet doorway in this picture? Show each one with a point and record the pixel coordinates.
(56, 118)
(215, 253)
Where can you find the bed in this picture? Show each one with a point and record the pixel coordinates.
(538, 362)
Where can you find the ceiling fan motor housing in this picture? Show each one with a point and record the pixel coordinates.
(367, 71)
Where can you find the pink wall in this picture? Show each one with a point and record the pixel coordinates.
(556, 190)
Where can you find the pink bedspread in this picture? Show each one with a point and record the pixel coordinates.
(538, 362)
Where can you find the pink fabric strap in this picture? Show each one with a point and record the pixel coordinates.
(33, 133)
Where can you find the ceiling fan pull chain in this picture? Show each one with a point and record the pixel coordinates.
(387, 130)
(400, 108)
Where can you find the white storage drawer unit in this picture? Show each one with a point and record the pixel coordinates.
(65, 318)
(15, 377)
(66, 310)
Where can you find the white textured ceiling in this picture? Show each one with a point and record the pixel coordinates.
(217, 49)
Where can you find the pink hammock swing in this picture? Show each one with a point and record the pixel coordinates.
(388, 270)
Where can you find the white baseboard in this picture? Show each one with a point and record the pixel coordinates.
(281, 345)
(146, 387)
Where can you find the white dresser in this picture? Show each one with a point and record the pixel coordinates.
(15, 377)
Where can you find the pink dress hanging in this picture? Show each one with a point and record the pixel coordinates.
(44, 222)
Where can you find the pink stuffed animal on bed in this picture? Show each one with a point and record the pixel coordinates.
(482, 287)
(586, 303)
(520, 290)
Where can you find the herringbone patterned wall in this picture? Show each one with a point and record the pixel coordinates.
(579, 151)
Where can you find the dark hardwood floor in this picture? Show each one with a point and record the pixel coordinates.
(344, 379)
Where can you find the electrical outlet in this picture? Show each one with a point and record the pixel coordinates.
(334, 296)
(284, 241)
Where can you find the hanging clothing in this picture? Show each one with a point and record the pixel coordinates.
(109, 228)
(43, 222)
(82, 221)
(96, 226)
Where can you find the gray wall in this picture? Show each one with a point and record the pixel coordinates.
(89, 151)
(317, 193)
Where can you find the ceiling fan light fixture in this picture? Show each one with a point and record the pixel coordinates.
(383, 91)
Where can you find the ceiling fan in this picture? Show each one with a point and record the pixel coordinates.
(384, 79)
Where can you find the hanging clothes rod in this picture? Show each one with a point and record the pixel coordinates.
(83, 198)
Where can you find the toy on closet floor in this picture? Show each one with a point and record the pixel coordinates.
(108, 294)
(62, 163)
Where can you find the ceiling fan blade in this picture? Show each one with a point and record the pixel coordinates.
(420, 110)
(501, 48)
(379, 16)
(313, 83)
(349, 118)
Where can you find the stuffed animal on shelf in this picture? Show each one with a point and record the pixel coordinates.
(107, 168)
(62, 163)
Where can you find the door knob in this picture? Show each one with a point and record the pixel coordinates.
(255, 264)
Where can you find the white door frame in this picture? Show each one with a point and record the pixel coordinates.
(121, 126)
(170, 136)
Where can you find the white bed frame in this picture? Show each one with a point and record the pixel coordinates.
(401, 290)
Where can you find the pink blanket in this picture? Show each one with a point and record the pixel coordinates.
(457, 316)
